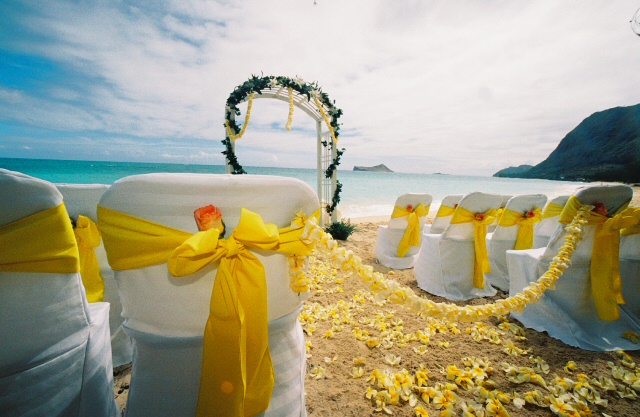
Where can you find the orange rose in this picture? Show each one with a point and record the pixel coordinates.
(409, 208)
(530, 214)
(209, 217)
(480, 216)
(600, 209)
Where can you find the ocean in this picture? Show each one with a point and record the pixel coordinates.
(363, 194)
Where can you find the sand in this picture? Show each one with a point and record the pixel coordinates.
(332, 390)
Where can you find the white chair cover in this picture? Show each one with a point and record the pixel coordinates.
(55, 356)
(630, 274)
(568, 313)
(547, 226)
(445, 263)
(504, 238)
(82, 199)
(166, 316)
(389, 236)
(441, 223)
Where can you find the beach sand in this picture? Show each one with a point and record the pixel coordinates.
(337, 393)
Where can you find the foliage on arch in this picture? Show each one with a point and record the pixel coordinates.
(255, 85)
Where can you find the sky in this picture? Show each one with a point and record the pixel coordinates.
(456, 87)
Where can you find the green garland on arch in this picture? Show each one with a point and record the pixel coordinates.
(312, 91)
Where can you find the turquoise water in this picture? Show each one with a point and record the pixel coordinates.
(363, 193)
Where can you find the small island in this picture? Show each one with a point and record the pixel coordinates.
(376, 168)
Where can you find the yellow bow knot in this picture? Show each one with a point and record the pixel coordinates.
(412, 233)
(480, 222)
(88, 238)
(635, 228)
(606, 284)
(525, 222)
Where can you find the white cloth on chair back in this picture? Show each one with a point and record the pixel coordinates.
(630, 274)
(504, 238)
(166, 316)
(568, 313)
(55, 356)
(389, 236)
(82, 199)
(549, 224)
(445, 263)
(441, 222)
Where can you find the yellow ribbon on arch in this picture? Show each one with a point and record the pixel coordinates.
(237, 374)
(552, 210)
(524, 238)
(480, 222)
(88, 238)
(42, 242)
(606, 284)
(412, 233)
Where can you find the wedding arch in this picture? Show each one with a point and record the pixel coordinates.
(310, 99)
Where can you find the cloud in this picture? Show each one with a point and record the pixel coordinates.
(455, 87)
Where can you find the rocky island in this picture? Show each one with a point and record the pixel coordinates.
(376, 168)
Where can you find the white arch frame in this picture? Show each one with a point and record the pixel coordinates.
(326, 186)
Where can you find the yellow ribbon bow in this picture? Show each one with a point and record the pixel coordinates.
(88, 238)
(237, 374)
(635, 229)
(480, 222)
(606, 284)
(42, 242)
(552, 210)
(525, 222)
(444, 211)
(411, 235)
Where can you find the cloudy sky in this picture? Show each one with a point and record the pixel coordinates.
(458, 87)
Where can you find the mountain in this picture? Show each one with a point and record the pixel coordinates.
(513, 172)
(603, 147)
(377, 168)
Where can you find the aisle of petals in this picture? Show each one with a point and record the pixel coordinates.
(407, 364)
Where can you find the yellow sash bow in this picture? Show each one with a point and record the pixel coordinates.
(88, 238)
(237, 375)
(42, 242)
(480, 222)
(524, 238)
(635, 229)
(606, 285)
(552, 210)
(444, 211)
(412, 233)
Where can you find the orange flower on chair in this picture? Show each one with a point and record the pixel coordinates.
(600, 208)
(410, 208)
(209, 217)
(530, 214)
(480, 216)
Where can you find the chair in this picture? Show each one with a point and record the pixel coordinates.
(549, 223)
(82, 199)
(443, 216)
(520, 214)
(166, 316)
(569, 312)
(55, 356)
(447, 264)
(390, 249)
